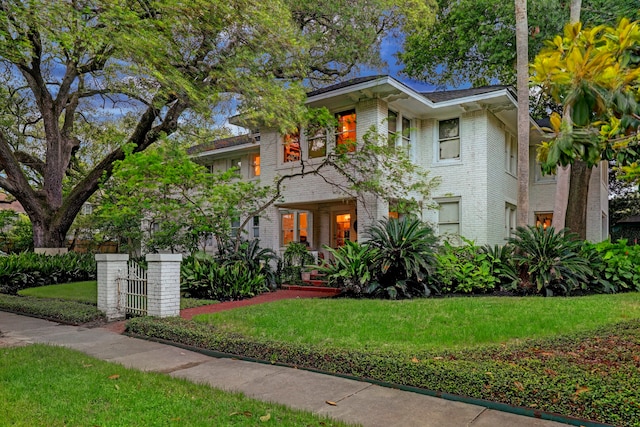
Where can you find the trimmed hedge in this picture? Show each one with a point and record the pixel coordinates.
(29, 270)
(70, 312)
(522, 375)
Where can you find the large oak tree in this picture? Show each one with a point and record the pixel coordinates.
(70, 69)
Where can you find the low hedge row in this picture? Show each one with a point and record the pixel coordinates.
(29, 270)
(70, 312)
(521, 375)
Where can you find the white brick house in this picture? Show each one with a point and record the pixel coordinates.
(465, 137)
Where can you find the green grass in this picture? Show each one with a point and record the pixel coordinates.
(87, 292)
(424, 324)
(53, 386)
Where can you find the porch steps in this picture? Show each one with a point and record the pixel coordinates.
(324, 290)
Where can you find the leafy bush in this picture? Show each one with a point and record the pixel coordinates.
(294, 260)
(550, 262)
(349, 268)
(616, 266)
(58, 310)
(27, 270)
(403, 258)
(470, 269)
(258, 260)
(202, 276)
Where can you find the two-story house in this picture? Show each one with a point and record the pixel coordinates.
(466, 137)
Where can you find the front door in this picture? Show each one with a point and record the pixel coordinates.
(343, 228)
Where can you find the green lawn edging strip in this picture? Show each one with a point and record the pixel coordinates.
(539, 383)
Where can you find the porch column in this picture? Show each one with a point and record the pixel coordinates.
(163, 284)
(110, 268)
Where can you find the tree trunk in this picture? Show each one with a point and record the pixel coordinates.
(578, 198)
(522, 46)
(565, 175)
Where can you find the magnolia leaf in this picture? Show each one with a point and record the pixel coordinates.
(580, 390)
(114, 377)
(265, 418)
(518, 385)
(329, 402)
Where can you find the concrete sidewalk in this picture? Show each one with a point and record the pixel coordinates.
(356, 402)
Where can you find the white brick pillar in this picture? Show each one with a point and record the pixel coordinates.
(110, 268)
(163, 284)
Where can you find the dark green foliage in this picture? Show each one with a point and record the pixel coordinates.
(294, 260)
(471, 269)
(550, 263)
(567, 375)
(349, 268)
(203, 276)
(58, 310)
(258, 260)
(28, 270)
(403, 257)
(616, 266)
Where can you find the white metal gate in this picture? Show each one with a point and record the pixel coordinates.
(132, 289)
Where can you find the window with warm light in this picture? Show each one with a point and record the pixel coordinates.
(346, 130)
(291, 145)
(255, 165)
(294, 225)
(544, 219)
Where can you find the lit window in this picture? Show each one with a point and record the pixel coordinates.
(449, 139)
(509, 220)
(544, 219)
(318, 144)
(346, 130)
(255, 165)
(295, 226)
(291, 145)
(510, 153)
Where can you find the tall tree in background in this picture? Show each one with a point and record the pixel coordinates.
(474, 41)
(595, 72)
(522, 47)
(69, 69)
(566, 177)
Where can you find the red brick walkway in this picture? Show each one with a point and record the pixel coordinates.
(229, 305)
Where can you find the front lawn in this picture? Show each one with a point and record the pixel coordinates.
(424, 324)
(87, 292)
(52, 386)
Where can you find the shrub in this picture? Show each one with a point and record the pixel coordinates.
(53, 309)
(294, 260)
(470, 269)
(27, 270)
(549, 262)
(349, 268)
(204, 277)
(258, 260)
(616, 266)
(404, 257)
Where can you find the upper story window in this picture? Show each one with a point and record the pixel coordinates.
(449, 139)
(399, 131)
(318, 143)
(346, 130)
(291, 145)
(255, 165)
(510, 153)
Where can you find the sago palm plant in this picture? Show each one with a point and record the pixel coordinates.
(404, 256)
(549, 261)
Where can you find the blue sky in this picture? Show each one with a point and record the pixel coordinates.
(389, 47)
